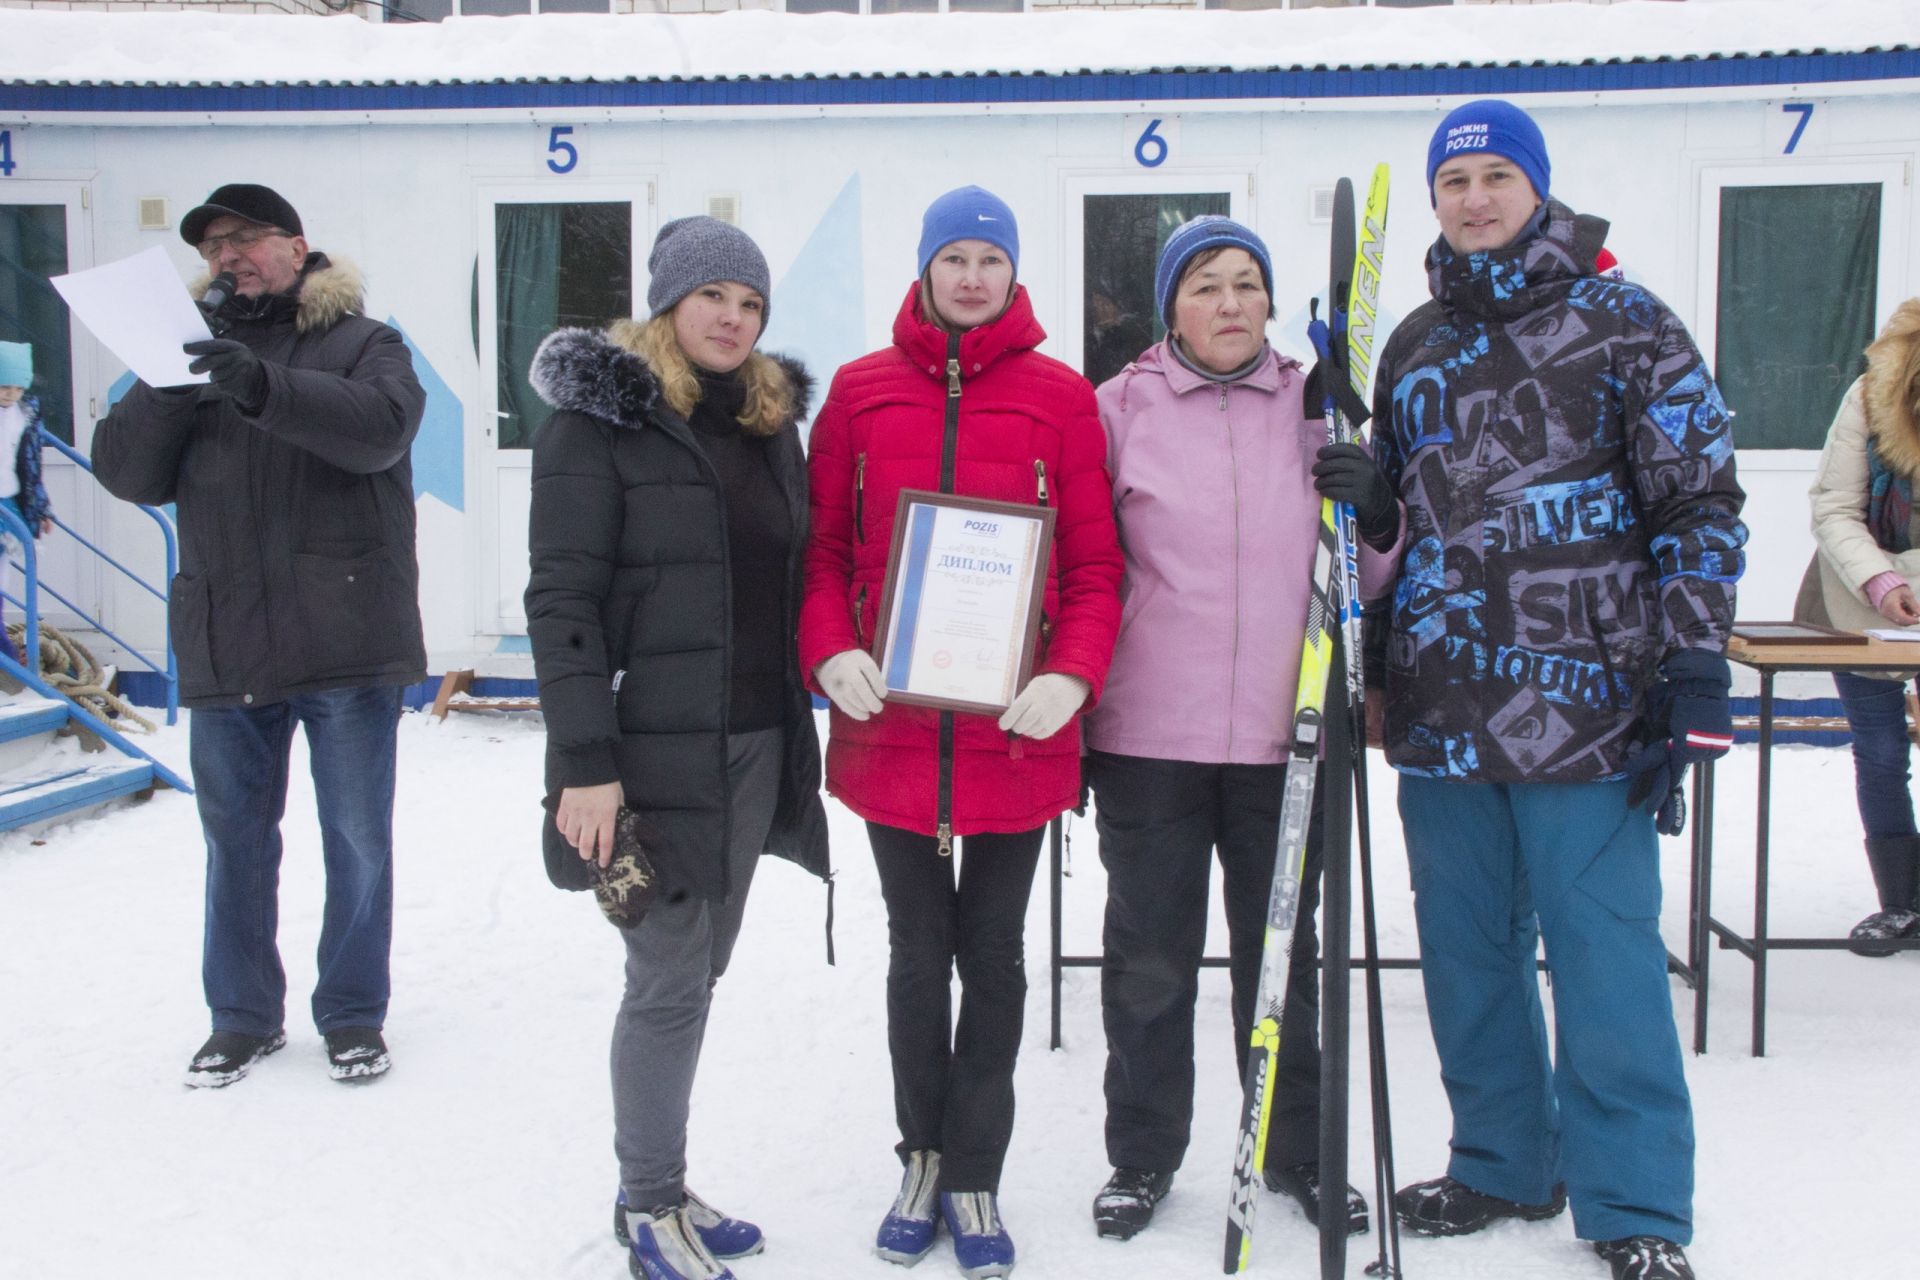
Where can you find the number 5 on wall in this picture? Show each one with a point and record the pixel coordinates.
(562, 156)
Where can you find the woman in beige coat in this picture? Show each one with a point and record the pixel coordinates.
(1862, 576)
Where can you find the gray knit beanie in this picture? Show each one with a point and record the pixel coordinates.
(690, 252)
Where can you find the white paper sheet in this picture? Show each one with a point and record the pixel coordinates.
(1893, 633)
(141, 310)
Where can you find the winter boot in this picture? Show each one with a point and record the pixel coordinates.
(907, 1233)
(1124, 1206)
(663, 1245)
(981, 1244)
(1895, 861)
(227, 1055)
(356, 1055)
(1302, 1183)
(1445, 1207)
(726, 1238)
(1644, 1258)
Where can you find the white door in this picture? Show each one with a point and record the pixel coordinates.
(44, 232)
(547, 262)
(1113, 225)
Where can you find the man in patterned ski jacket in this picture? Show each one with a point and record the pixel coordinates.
(1554, 659)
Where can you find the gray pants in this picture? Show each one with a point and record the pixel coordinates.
(674, 956)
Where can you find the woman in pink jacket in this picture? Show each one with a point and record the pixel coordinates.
(1218, 474)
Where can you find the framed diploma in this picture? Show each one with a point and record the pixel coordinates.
(960, 612)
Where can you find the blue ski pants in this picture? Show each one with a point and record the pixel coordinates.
(1496, 867)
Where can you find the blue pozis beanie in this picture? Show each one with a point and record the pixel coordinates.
(1492, 127)
(16, 364)
(1207, 231)
(969, 213)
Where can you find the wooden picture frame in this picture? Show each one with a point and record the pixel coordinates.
(959, 620)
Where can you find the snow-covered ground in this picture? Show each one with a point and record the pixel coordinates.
(486, 1153)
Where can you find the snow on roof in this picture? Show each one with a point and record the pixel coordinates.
(182, 49)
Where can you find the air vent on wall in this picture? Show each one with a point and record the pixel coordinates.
(725, 207)
(153, 213)
(1322, 210)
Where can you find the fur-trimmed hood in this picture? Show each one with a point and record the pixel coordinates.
(1890, 388)
(585, 371)
(331, 289)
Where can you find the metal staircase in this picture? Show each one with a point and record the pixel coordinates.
(56, 756)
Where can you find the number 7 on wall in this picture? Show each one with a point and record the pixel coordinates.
(1805, 111)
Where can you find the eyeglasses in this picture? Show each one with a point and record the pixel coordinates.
(243, 239)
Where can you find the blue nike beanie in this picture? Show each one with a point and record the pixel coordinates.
(16, 364)
(969, 213)
(1208, 231)
(1493, 127)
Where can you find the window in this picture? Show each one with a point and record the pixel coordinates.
(1122, 236)
(554, 265)
(435, 10)
(33, 246)
(1793, 324)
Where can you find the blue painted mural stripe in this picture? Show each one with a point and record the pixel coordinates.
(1307, 83)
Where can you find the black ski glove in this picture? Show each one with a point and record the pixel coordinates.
(1347, 473)
(236, 372)
(1691, 707)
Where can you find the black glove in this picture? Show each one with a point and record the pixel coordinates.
(1691, 707)
(237, 373)
(1347, 473)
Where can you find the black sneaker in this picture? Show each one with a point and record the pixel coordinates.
(226, 1056)
(1644, 1258)
(1124, 1206)
(356, 1055)
(1890, 925)
(1445, 1207)
(1302, 1183)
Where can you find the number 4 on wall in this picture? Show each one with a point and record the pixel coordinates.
(1805, 111)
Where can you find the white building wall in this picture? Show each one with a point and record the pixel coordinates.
(405, 202)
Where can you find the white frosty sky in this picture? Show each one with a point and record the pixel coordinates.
(184, 48)
(487, 1153)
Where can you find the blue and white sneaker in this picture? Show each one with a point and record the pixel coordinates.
(664, 1246)
(907, 1234)
(981, 1244)
(725, 1238)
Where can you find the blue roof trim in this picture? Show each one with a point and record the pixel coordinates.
(1369, 82)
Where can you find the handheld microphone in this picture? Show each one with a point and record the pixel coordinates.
(219, 293)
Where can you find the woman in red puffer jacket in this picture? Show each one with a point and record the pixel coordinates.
(960, 403)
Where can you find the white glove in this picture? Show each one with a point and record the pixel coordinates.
(853, 682)
(1044, 706)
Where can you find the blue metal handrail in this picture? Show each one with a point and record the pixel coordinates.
(15, 525)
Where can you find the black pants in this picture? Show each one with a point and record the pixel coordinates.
(1158, 821)
(953, 1083)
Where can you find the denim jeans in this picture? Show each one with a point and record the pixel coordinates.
(1877, 715)
(240, 758)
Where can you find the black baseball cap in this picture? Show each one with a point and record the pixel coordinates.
(247, 200)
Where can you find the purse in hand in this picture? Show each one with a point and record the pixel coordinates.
(626, 887)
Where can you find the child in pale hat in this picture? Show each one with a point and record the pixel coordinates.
(20, 440)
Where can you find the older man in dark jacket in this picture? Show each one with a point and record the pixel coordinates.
(295, 605)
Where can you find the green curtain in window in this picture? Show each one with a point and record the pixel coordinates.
(1798, 267)
(527, 291)
(33, 248)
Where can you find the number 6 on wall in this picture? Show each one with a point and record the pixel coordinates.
(562, 156)
(1151, 149)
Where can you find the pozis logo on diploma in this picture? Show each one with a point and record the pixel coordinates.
(961, 609)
